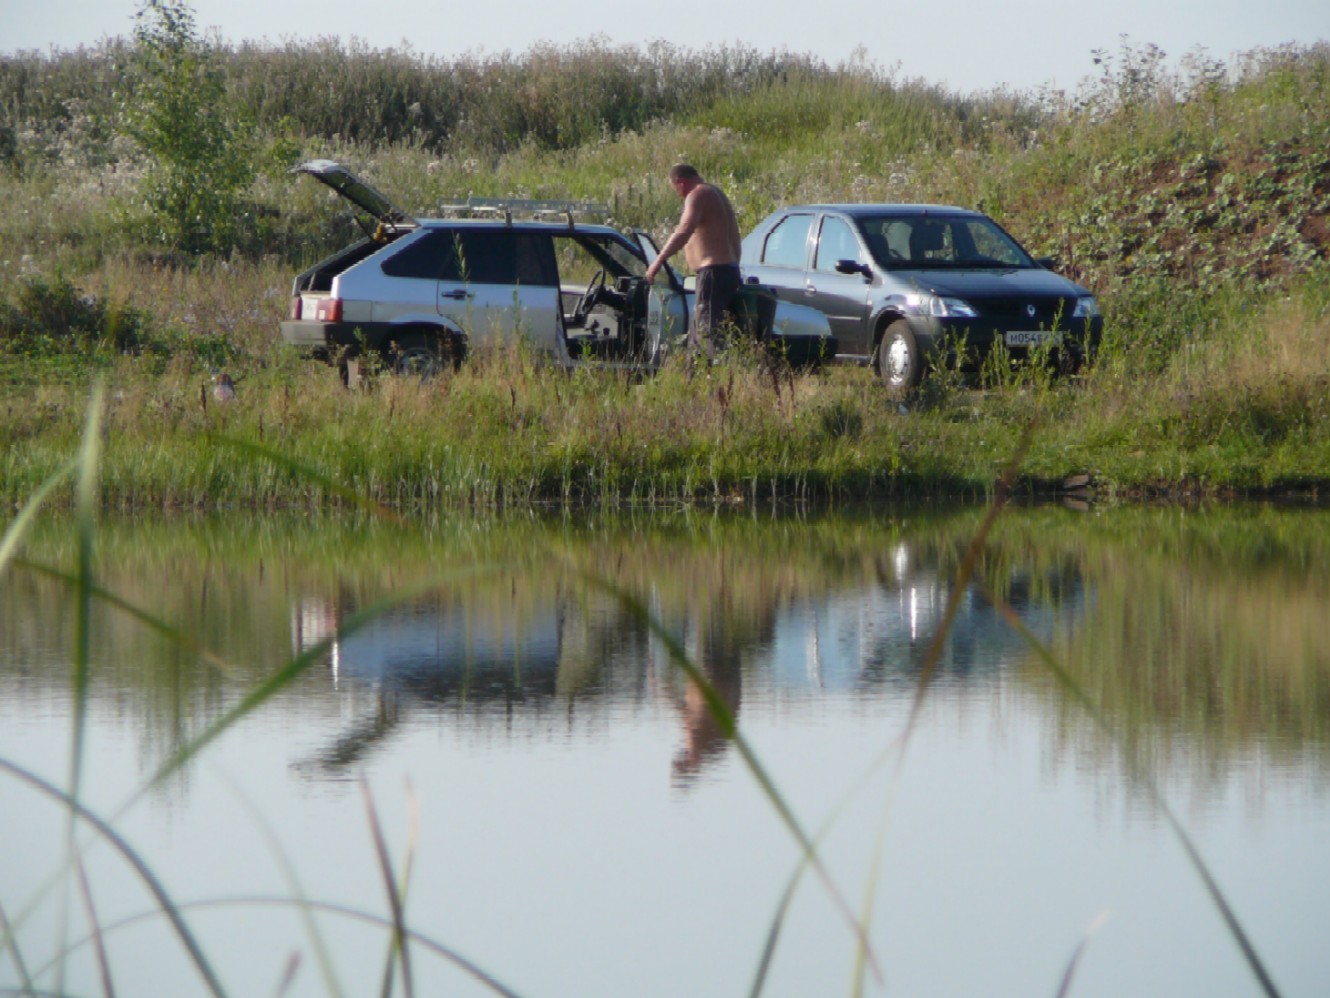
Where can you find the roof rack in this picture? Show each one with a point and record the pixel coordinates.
(524, 208)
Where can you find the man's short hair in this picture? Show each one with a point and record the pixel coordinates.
(683, 171)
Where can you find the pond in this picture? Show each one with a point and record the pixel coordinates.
(524, 719)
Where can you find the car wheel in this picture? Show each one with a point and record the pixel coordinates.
(422, 355)
(898, 358)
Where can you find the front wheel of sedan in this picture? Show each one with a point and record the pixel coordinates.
(899, 360)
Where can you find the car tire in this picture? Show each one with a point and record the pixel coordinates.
(423, 355)
(899, 360)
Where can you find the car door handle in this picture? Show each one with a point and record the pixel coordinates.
(458, 295)
(810, 289)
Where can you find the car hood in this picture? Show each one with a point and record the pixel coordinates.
(355, 190)
(989, 282)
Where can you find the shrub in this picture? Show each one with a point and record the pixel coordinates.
(179, 114)
(56, 315)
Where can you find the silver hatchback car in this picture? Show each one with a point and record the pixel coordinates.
(909, 286)
(421, 293)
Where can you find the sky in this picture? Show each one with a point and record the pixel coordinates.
(966, 46)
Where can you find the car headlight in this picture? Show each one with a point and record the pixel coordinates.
(942, 308)
(1086, 308)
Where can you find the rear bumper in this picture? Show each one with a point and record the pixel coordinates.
(326, 338)
(319, 336)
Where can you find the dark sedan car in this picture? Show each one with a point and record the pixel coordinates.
(909, 286)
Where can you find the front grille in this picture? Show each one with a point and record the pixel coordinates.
(1014, 313)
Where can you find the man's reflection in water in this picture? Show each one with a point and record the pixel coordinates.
(706, 735)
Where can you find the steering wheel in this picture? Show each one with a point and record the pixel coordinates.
(591, 295)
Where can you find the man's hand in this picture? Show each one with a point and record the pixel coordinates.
(652, 271)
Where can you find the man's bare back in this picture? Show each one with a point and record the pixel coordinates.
(713, 231)
(708, 231)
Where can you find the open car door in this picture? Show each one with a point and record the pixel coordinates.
(668, 305)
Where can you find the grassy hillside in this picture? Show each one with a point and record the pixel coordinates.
(1193, 201)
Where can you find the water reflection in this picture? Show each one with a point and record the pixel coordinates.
(501, 648)
(546, 730)
(519, 626)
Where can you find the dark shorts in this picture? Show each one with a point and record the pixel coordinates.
(716, 287)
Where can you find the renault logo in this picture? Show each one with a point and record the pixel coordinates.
(1029, 310)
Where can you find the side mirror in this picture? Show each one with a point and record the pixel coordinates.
(854, 267)
(1047, 262)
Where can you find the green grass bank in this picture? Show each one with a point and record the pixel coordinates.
(1192, 200)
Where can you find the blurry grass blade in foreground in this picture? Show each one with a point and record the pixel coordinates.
(98, 940)
(85, 513)
(1064, 989)
(286, 675)
(489, 982)
(167, 906)
(725, 721)
(158, 626)
(9, 944)
(1068, 682)
(398, 951)
(299, 896)
(13, 535)
(85, 501)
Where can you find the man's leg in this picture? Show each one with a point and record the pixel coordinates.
(700, 336)
(716, 288)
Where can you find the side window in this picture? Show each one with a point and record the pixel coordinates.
(498, 256)
(787, 244)
(533, 254)
(428, 257)
(485, 256)
(836, 242)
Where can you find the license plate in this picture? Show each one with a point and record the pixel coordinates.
(1032, 337)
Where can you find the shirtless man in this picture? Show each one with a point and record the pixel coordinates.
(708, 234)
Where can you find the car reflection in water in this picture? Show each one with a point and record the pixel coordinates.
(540, 655)
(878, 635)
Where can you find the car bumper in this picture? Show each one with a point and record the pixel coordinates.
(945, 338)
(319, 336)
(327, 338)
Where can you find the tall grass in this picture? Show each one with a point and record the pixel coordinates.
(1240, 410)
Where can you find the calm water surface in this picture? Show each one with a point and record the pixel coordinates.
(567, 814)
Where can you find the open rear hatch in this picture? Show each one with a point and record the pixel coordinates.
(359, 193)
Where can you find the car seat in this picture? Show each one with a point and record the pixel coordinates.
(926, 238)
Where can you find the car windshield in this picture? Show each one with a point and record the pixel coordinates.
(920, 241)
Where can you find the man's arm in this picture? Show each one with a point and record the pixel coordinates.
(680, 236)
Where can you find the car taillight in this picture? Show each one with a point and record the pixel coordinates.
(328, 310)
(294, 312)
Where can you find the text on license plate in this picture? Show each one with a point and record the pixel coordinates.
(1032, 337)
